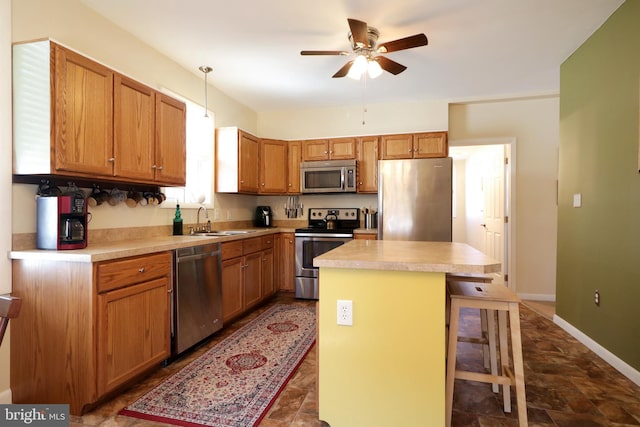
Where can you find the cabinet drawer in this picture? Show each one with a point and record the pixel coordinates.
(117, 274)
(267, 241)
(252, 245)
(231, 249)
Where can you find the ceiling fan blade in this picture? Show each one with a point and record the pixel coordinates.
(359, 32)
(323, 52)
(403, 43)
(388, 65)
(344, 70)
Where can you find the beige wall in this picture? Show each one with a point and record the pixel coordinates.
(348, 121)
(534, 125)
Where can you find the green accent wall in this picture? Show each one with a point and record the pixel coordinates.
(599, 243)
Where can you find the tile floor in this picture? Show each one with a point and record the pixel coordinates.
(567, 384)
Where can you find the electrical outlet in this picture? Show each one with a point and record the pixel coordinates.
(345, 312)
(596, 297)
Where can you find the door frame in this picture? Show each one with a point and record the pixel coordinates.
(509, 197)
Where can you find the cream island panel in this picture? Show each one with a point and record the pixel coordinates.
(388, 368)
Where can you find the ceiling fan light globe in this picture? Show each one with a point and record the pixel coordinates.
(358, 68)
(374, 69)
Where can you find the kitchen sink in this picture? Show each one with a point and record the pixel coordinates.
(223, 232)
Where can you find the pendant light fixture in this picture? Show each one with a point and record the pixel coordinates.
(206, 70)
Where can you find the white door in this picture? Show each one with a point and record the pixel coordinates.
(494, 218)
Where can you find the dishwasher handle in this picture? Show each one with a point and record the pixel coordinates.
(183, 258)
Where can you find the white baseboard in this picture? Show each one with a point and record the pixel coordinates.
(5, 397)
(537, 297)
(625, 369)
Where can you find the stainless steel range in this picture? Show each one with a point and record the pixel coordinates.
(327, 229)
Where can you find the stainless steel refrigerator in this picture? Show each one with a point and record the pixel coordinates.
(414, 199)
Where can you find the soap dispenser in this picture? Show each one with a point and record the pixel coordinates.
(177, 222)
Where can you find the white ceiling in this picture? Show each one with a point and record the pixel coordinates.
(477, 48)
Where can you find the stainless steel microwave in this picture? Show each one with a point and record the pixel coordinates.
(332, 176)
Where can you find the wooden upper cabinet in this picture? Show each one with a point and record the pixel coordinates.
(170, 141)
(368, 164)
(329, 149)
(396, 146)
(342, 148)
(414, 146)
(133, 129)
(249, 163)
(273, 166)
(237, 161)
(430, 144)
(98, 123)
(294, 156)
(83, 114)
(315, 149)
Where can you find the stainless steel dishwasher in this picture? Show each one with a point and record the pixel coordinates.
(197, 305)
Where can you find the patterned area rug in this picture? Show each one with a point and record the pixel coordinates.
(236, 381)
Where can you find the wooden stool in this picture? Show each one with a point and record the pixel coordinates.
(487, 324)
(486, 296)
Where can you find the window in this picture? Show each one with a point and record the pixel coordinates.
(200, 173)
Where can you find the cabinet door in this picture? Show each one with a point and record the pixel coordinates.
(315, 149)
(133, 331)
(268, 278)
(368, 164)
(170, 146)
(294, 154)
(396, 146)
(273, 166)
(342, 148)
(83, 115)
(252, 279)
(232, 289)
(248, 163)
(430, 144)
(133, 129)
(287, 262)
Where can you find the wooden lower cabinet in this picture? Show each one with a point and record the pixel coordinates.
(133, 327)
(365, 236)
(232, 289)
(287, 262)
(248, 274)
(87, 328)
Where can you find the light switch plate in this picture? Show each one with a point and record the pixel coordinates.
(577, 200)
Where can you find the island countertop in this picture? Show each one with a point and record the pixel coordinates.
(442, 257)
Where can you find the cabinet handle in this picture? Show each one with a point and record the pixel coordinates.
(153, 167)
(160, 168)
(141, 270)
(111, 159)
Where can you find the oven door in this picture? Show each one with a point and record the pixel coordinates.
(310, 246)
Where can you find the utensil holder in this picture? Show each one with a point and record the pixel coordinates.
(370, 220)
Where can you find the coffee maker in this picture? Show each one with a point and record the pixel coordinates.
(62, 222)
(264, 216)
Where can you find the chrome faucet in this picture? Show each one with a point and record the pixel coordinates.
(206, 215)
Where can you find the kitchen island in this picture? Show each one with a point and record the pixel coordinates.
(388, 367)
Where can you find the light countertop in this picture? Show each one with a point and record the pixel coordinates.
(443, 257)
(126, 248)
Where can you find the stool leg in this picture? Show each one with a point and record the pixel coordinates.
(518, 367)
(504, 357)
(485, 334)
(454, 319)
(493, 358)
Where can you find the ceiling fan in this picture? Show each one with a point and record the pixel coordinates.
(364, 44)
